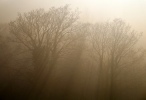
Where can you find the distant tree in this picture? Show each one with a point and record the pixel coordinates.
(114, 47)
(5, 61)
(5, 49)
(45, 34)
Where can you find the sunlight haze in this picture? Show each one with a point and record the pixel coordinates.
(72, 49)
(132, 11)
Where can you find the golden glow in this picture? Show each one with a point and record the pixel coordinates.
(132, 11)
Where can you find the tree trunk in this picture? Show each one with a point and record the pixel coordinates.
(112, 72)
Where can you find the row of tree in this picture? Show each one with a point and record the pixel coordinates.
(39, 43)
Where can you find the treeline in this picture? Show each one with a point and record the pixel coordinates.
(51, 55)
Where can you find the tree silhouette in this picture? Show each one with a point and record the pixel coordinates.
(45, 35)
(114, 47)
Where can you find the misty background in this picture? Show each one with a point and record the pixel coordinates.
(84, 68)
(132, 11)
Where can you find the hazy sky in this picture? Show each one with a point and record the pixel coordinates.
(132, 11)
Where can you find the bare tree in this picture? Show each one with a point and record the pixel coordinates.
(114, 47)
(45, 34)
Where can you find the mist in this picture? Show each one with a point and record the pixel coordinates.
(72, 50)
